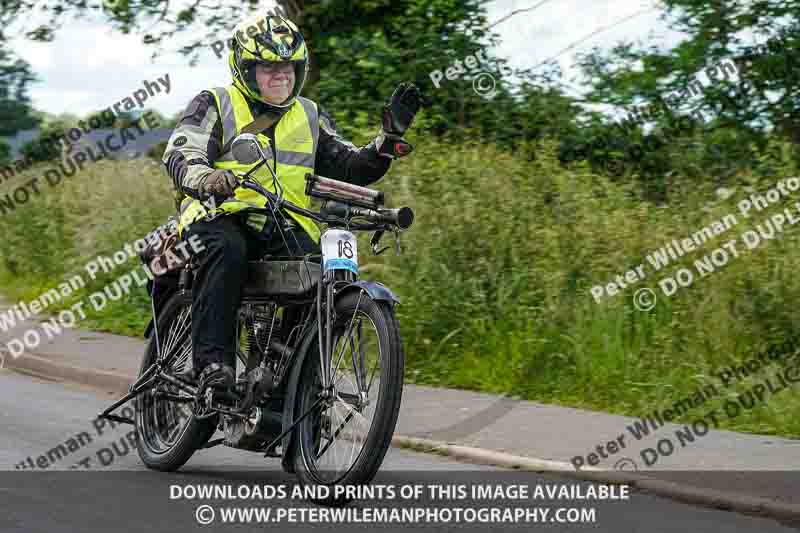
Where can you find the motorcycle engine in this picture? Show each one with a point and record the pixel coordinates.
(259, 324)
(253, 433)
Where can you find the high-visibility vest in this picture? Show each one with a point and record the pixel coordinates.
(296, 139)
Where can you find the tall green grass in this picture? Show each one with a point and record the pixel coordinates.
(96, 212)
(495, 277)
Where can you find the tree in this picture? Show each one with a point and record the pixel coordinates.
(15, 110)
(360, 50)
(47, 146)
(717, 32)
(741, 96)
(163, 23)
(161, 120)
(5, 153)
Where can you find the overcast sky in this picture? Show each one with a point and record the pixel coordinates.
(89, 67)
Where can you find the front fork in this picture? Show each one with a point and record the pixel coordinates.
(325, 319)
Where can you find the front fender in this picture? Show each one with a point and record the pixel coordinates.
(376, 291)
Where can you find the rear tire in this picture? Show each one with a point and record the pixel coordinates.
(318, 428)
(165, 439)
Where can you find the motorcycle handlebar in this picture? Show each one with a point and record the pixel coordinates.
(402, 217)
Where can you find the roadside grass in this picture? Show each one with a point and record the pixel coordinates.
(495, 278)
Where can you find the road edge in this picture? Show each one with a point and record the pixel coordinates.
(114, 381)
(715, 499)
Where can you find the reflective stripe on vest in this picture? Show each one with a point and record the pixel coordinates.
(296, 137)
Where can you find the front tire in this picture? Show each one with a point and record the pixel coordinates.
(167, 432)
(328, 452)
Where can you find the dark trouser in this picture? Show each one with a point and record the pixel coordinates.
(228, 245)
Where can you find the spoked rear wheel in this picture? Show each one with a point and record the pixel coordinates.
(167, 432)
(345, 439)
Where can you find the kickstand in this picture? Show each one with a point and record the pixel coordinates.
(142, 384)
(116, 418)
(146, 379)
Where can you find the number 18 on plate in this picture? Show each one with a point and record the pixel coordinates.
(339, 251)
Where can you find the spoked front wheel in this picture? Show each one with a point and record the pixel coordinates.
(344, 440)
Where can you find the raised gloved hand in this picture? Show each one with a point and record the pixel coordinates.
(219, 184)
(400, 110)
(398, 114)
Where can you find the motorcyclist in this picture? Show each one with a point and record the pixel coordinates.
(268, 62)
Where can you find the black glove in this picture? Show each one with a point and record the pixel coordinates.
(220, 184)
(398, 114)
(400, 110)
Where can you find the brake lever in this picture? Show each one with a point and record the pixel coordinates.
(374, 240)
(397, 249)
(257, 187)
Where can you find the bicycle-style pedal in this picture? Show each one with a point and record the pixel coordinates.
(211, 399)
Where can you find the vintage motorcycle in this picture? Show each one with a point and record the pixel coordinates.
(320, 358)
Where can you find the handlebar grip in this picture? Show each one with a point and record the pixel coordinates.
(402, 216)
(335, 209)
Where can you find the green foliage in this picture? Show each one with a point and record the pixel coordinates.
(157, 151)
(161, 120)
(15, 109)
(46, 146)
(54, 236)
(524, 200)
(5, 153)
(495, 275)
(361, 50)
(423, 42)
(99, 118)
(716, 34)
(126, 119)
(747, 94)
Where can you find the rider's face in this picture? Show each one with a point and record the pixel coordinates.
(275, 81)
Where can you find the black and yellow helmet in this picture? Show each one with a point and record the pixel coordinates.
(267, 39)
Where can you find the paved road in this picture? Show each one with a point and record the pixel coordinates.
(739, 465)
(37, 415)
